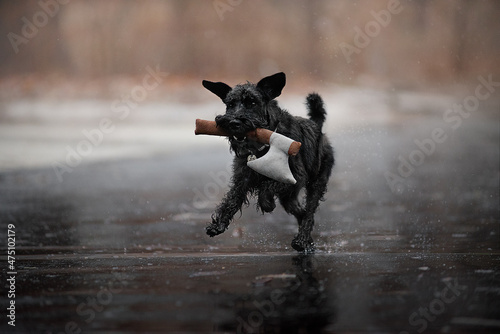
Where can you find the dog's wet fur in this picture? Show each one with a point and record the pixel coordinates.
(250, 106)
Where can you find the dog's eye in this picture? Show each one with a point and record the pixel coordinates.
(249, 102)
(230, 104)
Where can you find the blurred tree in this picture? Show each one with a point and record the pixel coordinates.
(428, 42)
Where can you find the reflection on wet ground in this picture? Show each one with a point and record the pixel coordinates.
(119, 246)
(266, 292)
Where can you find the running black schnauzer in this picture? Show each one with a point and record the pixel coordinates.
(250, 106)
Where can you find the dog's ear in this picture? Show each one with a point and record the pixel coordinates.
(272, 85)
(218, 88)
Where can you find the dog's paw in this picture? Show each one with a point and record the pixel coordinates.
(266, 203)
(303, 245)
(215, 229)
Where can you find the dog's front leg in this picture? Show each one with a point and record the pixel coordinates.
(232, 202)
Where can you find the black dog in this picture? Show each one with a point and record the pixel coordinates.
(250, 106)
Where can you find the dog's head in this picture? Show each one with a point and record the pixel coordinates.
(246, 104)
(246, 108)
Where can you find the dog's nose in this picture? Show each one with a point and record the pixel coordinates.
(235, 124)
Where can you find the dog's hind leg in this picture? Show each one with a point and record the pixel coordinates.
(291, 204)
(266, 202)
(303, 241)
(315, 190)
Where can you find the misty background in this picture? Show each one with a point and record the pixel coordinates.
(426, 43)
(67, 64)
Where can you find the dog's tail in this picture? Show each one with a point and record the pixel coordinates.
(316, 108)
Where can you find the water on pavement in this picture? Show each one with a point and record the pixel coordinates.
(113, 241)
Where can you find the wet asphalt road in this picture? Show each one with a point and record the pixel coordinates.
(119, 245)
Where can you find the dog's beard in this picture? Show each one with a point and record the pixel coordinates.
(245, 125)
(239, 143)
(247, 147)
